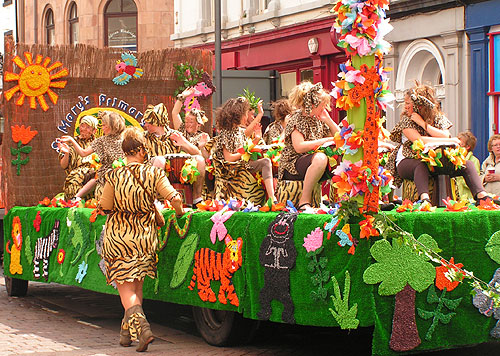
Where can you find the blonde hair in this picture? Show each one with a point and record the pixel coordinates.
(132, 140)
(299, 92)
(490, 142)
(115, 122)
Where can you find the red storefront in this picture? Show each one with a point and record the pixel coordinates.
(299, 52)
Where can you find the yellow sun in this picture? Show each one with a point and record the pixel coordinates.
(34, 80)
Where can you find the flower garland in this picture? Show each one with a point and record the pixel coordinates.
(432, 157)
(362, 26)
(189, 171)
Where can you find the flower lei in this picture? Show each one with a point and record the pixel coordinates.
(274, 153)
(250, 151)
(362, 26)
(189, 172)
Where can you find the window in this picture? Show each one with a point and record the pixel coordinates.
(307, 74)
(120, 19)
(264, 5)
(494, 91)
(73, 24)
(7, 2)
(288, 81)
(50, 29)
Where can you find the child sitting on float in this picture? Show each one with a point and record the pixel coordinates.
(161, 140)
(422, 120)
(232, 137)
(307, 128)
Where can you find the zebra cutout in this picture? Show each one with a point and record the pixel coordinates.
(43, 248)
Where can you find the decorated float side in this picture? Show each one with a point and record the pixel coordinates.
(424, 279)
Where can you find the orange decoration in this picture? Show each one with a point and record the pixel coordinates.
(442, 281)
(35, 80)
(23, 134)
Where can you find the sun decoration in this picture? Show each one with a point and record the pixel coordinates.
(35, 80)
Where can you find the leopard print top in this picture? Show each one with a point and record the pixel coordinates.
(311, 128)
(440, 122)
(231, 140)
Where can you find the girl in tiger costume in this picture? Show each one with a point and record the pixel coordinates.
(281, 109)
(130, 238)
(162, 140)
(78, 169)
(107, 147)
(307, 128)
(230, 119)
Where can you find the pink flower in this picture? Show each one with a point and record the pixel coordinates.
(314, 240)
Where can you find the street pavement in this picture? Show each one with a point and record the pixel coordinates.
(62, 320)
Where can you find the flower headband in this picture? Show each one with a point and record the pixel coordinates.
(200, 115)
(311, 98)
(421, 100)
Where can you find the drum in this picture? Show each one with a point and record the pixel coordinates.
(173, 165)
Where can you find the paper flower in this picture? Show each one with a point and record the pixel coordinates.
(407, 206)
(346, 239)
(452, 205)
(82, 272)
(331, 226)
(189, 172)
(250, 151)
(367, 228)
(21, 135)
(488, 204)
(314, 240)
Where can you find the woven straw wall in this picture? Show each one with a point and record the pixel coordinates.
(91, 71)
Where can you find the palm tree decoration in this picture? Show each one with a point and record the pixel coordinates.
(401, 272)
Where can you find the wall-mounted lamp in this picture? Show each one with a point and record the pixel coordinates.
(313, 45)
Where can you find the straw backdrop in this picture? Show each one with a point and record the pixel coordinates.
(91, 71)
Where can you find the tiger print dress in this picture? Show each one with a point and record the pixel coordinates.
(160, 145)
(79, 170)
(130, 237)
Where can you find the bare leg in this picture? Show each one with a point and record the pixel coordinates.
(128, 294)
(87, 188)
(313, 174)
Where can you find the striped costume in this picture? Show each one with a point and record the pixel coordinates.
(130, 238)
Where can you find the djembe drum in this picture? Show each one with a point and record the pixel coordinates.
(173, 166)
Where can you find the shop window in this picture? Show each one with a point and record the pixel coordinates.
(73, 24)
(50, 28)
(307, 74)
(120, 20)
(288, 81)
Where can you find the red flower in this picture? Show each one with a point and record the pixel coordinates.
(442, 281)
(23, 134)
(60, 256)
(37, 222)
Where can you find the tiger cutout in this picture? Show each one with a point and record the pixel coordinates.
(215, 266)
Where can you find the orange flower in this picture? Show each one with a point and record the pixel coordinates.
(367, 228)
(442, 281)
(23, 134)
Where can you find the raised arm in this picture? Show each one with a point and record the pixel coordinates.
(176, 117)
(433, 131)
(251, 127)
(325, 117)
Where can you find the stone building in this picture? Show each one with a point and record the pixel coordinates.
(137, 25)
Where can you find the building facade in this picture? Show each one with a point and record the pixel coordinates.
(137, 25)
(292, 37)
(7, 27)
(483, 31)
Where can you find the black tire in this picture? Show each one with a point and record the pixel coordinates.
(224, 328)
(16, 287)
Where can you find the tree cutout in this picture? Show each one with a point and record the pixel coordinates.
(492, 248)
(436, 315)
(345, 317)
(401, 272)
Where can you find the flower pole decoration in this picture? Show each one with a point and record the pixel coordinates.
(313, 244)
(362, 89)
(22, 136)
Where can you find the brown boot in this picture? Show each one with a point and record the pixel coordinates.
(139, 327)
(125, 339)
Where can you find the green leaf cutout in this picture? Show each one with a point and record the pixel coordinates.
(184, 260)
